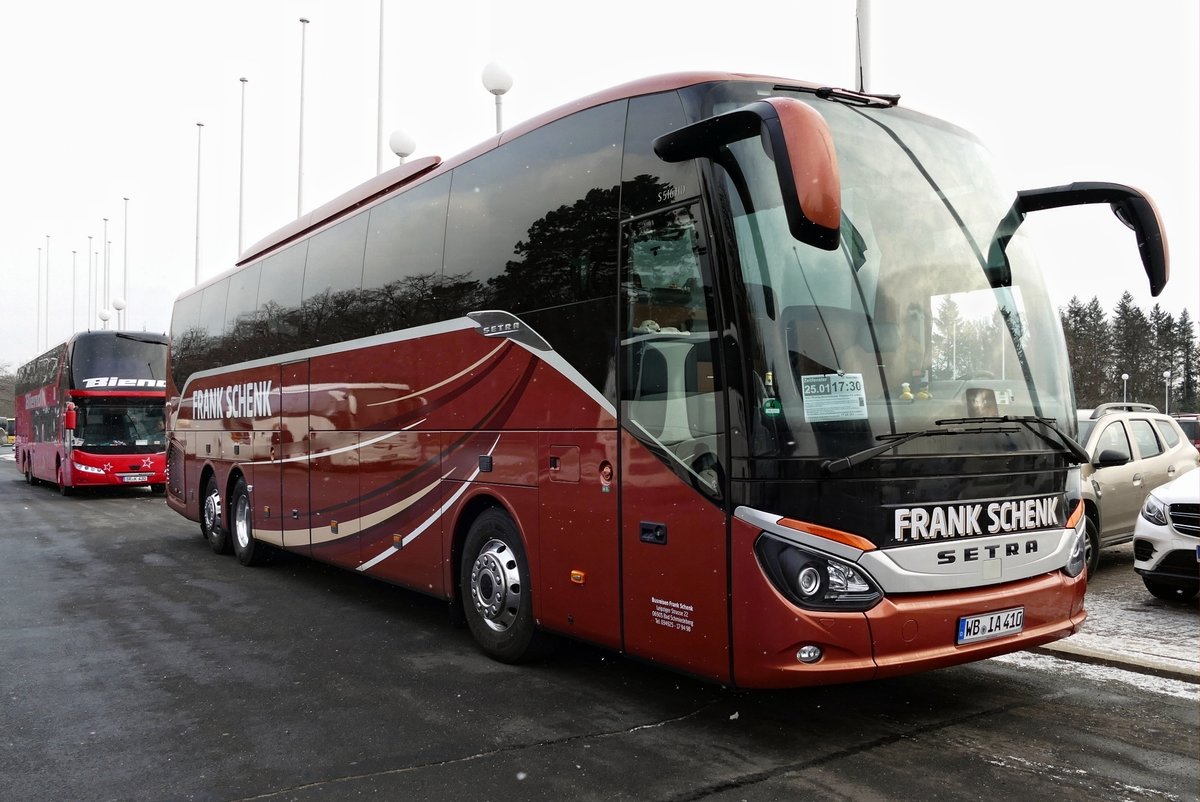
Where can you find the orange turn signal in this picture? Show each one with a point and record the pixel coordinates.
(829, 534)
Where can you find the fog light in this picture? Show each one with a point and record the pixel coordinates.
(809, 654)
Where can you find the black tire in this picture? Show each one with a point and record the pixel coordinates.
(29, 480)
(1092, 549)
(63, 488)
(494, 584)
(1171, 591)
(212, 523)
(158, 490)
(241, 528)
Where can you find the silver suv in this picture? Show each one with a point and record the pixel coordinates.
(1133, 449)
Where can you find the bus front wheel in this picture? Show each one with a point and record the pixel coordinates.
(63, 488)
(495, 590)
(211, 524)
(241, 527)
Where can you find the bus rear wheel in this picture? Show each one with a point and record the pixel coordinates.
(495, 590)
(248, 550)
(211, 524)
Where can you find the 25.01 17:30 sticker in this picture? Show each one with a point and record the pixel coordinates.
(833, 396)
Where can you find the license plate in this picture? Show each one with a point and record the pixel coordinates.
(135, 477)
(973, 628)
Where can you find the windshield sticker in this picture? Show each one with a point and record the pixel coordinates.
(834, 397)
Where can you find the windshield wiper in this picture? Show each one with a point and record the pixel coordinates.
(1064, 441)
(900, 438)
(125, 336)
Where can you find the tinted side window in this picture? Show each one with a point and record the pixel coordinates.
(332, 279)
(534, 226)
(242, 340)
(647, 182)
(186, 338)
(1143, 435)
(212, 324)
(279, 299)
(1113, 438)
(402, 271)
(1168, 433)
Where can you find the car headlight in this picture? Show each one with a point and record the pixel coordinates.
(815, 580)
(1154, 511)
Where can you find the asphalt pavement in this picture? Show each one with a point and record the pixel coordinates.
(1126, 627)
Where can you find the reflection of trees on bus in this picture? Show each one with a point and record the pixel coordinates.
(565, 258)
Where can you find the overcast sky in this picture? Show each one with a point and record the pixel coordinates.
(101, 101)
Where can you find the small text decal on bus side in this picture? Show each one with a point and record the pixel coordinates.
(249, 400)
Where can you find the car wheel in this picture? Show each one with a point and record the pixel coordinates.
(1171, 591)
(241, 528)
(1092, 552)
(495, 589)
(211, 524)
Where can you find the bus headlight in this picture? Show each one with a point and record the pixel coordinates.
(815, 580)
(87, 468)
(1078, 558)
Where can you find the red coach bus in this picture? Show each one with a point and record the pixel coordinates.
(90, 412)
(749, 377)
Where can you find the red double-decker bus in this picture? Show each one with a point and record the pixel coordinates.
(753, 378)
(89, 412)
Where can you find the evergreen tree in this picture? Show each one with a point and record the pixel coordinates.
(1189, 364)
(1165, 353)
(1132, 340)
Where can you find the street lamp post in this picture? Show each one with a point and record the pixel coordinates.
(125, 254)
(46, 317)
(199, 131)
(300, 161)
(73, 290)
(497, 81)
(1167, 392)
(104, 245)
(379, 103)
(1124, 388)
(37, 331)
(241, 168)
(119, 305)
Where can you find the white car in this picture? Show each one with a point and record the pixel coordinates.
(1166, 539)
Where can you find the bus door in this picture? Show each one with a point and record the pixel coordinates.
(293, 454)
(673, 523)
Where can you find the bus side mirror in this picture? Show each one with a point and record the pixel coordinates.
(69, 418)
(1131, 206)
(797, 139)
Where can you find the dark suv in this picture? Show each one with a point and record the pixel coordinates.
(1190, 423)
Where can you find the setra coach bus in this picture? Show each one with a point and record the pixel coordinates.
(748, 377)
(89, 412)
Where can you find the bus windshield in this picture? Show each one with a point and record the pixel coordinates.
(126, 427)
(901, 326)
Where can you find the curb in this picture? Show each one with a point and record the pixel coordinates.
(1099, 658)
